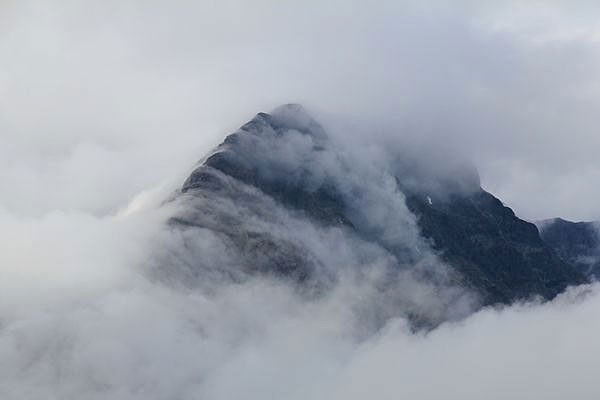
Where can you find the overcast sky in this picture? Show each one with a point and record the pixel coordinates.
(126, 95)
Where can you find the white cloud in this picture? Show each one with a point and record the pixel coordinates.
(105, 107)
(148, 88)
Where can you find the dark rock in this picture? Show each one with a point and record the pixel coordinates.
(500, 255)
(578, 243)
(286, 155)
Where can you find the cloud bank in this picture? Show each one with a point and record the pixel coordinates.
(81, 320)
(105, 107)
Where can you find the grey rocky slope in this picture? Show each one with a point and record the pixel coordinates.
(279, 198)
(578, 243)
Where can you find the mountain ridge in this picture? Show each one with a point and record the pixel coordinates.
(445, 232)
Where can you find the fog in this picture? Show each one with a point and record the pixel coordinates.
(107, 107)
(91, 90)
(81, 320)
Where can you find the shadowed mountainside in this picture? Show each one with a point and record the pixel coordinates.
(282, 199)
(578, 243)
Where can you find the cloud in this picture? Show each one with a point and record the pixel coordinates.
(149, 88)
(107, 106)
(91, 326)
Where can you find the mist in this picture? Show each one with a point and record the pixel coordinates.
(107, 107)
(514, 85)
(81, 319)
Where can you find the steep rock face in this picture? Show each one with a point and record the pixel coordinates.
(278, 190)
(498, 253)
(578, 243)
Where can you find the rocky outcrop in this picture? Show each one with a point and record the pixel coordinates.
(578, 243)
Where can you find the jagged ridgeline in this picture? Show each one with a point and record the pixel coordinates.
(279, 198)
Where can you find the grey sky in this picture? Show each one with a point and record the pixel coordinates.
(126, 95)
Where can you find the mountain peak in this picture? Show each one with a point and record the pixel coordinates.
(293, 112)
(277, 191)
(294, 116)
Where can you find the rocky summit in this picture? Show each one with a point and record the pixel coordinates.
(280, 198)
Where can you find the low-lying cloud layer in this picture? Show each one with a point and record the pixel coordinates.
(80, 320)
(105, 108)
